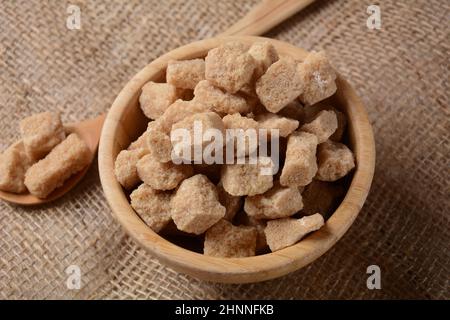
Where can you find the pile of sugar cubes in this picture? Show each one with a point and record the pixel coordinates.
(233, 208)
(44, 158)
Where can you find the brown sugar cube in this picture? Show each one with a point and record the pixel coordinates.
(195, 205)
(41, 133)
(264, 55)
(125, 167)
(67, 158)
(311, 112)
(185, 74)
(231, 203)
(293, 110)
(152, 206)
(247, 179)
(236, 121)
(273, 121)
(229, 66)
(158, 142)
(250, 129)
(278, 202)
(13, 165)
(280, 85)
(208, 121)
(335, 161)
(140, 142)
(221, 102)
(179, 110)
(318, 77)
(228, 241)
(322, 197)
(282, 233)
(300, 165)
(162, 176)
(323, 126)
(157, 97)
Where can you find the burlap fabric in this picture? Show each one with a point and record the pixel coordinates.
(401, 72)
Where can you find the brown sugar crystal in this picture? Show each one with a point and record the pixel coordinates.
(125, 167)
(13, 164)
(247, 179)
(335, 161)
(323, 126)
(195, 205)
(228, 241)
(264, 55)
(280, 85)
(245, 130)
(300, 165)
(158, 142)
(152, 206)
(271, 121)
(162, 176)
(318, 76)
(278, 202)
(220, 101)
(198, 124)
(157, 97)
(185, 74)
(66, 159)
(41, 133)
(179, 110)
(282, 233)
(311, 112)
(229, 66)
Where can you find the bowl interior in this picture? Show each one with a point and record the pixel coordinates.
(125, 122)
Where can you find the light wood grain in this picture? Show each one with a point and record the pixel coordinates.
(89, 131)
(125, 122)
(265, 16)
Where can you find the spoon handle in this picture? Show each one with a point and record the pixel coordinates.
(265, 16)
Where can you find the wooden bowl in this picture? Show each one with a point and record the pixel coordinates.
(125, 122)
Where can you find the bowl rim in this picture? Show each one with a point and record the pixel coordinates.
(249, 269)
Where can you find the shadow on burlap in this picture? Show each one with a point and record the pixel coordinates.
(401, 72)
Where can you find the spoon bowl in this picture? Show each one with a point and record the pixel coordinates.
(89, 131)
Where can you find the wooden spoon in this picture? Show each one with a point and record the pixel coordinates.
(264, 16)
(89, 131)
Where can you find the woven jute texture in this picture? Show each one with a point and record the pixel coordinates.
(401, 72)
